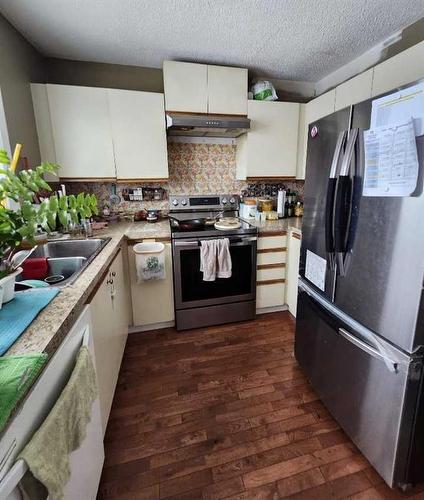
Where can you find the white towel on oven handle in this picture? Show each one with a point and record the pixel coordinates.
(224, 267)
(208, 259)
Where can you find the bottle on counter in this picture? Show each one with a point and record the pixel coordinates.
(298, 209)
(286, 208)
(290, 210)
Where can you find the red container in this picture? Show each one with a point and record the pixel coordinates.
(35, 269)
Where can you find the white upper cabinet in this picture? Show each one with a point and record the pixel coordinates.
(199, 88)
(314, 110)
(399, 70)
(139, 134)
(270, 148)
(227, 90)
(81, 131)
(321, 106)
(301, 143)
(355, 90)
(43, 123)
(186, 86)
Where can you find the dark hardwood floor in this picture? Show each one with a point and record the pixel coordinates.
(225, 412)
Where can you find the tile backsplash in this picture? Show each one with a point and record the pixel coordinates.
(193, 169)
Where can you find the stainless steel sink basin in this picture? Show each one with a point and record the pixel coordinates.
(66, 267)
(68, 258)
(70, 248)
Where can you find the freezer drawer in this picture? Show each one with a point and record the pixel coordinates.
(372, 396)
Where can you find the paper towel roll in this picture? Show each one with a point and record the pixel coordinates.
(281, 200)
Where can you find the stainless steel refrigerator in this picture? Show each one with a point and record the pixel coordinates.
(360, 334)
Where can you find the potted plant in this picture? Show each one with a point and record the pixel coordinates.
(21, 224)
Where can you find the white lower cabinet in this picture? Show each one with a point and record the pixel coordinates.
(271, 270)
(293, 258)
(109, 308)
(152, 301)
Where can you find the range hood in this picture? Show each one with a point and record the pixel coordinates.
(193, 125)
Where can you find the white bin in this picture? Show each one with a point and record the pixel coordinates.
(150, 261)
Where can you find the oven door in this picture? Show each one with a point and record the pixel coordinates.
(189, 287)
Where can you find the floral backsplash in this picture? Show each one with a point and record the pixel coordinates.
(193, 169)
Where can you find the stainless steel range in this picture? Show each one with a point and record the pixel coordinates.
(202, 303)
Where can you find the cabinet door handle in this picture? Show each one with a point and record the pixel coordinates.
(113, 273)
(109, 282)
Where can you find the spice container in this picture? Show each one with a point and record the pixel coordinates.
(298, 209)
(265, 205)
(250, 208)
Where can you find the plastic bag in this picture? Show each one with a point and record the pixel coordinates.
(150, 261)
(263, 90)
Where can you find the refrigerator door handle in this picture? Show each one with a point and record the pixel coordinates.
(391, 356)
(342, 211)
(330, 199)
(377, 352)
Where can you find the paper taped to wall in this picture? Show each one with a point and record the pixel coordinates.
(315, 269)
(391, 161)
(398, 108)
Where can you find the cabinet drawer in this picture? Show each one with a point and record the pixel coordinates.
(277, 257)
(276, 272)
(270, 295)
(277, 241)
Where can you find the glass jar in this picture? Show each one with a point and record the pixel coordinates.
(265, 205)
(250, 208)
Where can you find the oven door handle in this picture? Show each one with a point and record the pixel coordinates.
(197, 243)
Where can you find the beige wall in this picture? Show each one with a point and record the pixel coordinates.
(20, 64)
(92, 74)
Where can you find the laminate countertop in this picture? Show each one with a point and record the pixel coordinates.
(50, 327)
(280, 225)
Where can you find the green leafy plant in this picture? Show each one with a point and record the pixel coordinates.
(22, 223)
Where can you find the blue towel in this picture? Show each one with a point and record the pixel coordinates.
(17, 314)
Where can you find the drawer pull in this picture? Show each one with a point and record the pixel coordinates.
(270, 282)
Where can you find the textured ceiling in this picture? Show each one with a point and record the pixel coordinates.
(290, 39)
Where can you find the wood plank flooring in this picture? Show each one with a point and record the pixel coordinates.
(225, 412)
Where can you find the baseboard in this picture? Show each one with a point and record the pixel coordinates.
(153, 326)
(170, 324)
(265, 310)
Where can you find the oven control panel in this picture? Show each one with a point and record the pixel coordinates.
(204, 202)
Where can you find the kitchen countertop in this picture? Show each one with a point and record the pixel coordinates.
(50, 327)
(47, 331)
(278, 225)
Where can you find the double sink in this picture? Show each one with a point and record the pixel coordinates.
(68, 258)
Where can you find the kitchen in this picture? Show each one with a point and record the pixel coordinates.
(235, 309)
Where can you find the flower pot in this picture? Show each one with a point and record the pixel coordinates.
(7, 286)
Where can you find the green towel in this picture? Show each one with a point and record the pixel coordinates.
(63, 431)
(17, 373)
